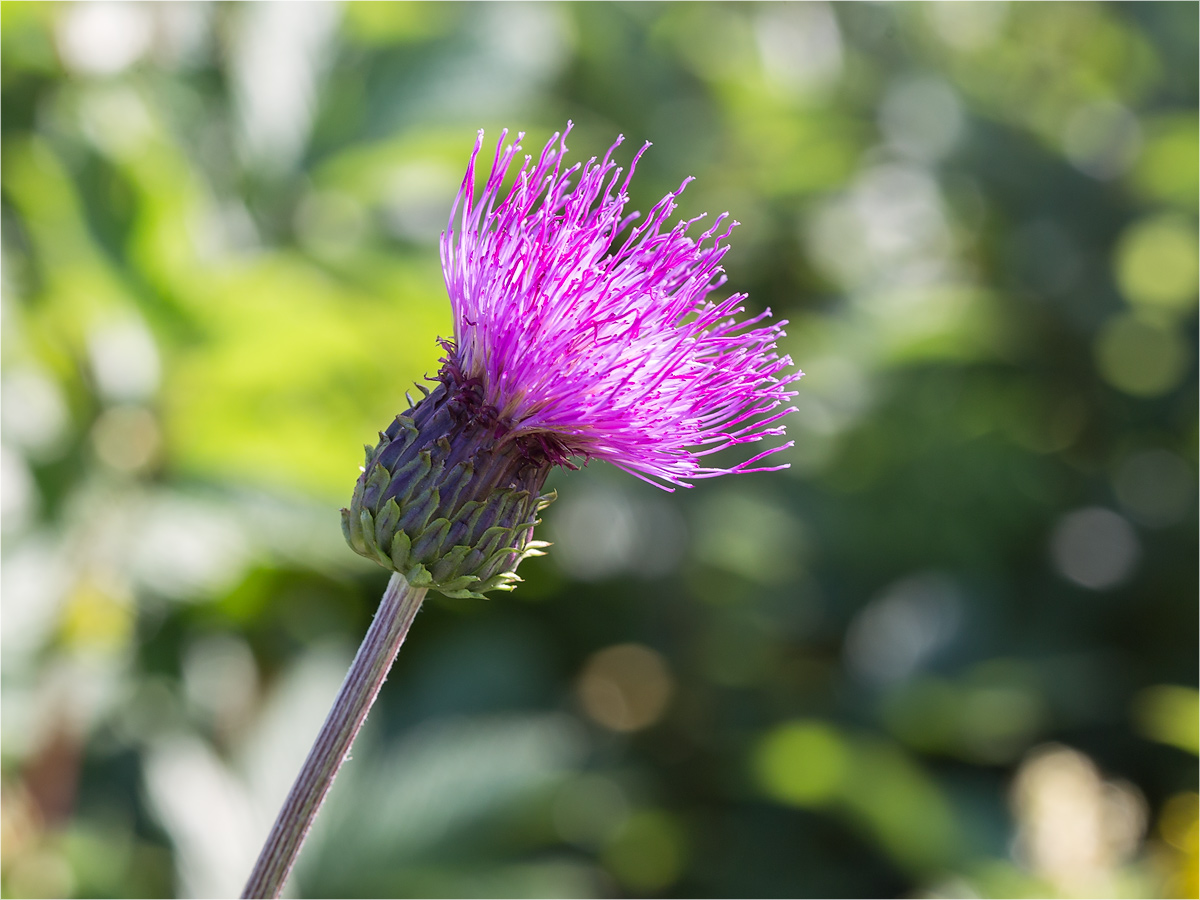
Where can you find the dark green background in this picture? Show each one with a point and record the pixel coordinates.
(951, 651)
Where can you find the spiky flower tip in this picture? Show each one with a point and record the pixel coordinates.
(580, 332)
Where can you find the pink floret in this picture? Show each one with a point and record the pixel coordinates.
(585, 325)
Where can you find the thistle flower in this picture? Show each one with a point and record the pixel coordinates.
(580, 332)
(595, 331)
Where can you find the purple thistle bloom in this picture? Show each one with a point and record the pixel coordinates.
(594, 334)
(578, 332)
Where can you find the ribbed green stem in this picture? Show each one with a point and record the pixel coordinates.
(358, 692)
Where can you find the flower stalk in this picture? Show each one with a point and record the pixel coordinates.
(332, 747)
(581, 332)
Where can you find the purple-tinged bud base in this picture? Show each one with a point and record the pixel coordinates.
(445, 500)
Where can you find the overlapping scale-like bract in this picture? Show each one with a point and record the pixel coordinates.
(597, 330)
(442, 504)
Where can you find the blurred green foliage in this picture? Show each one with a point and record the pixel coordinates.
(950, 652)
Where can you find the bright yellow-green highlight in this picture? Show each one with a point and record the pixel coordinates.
(895, 799)
(1167, 169)
(801, 763)
(1179, 827)
(1140, 357)
(1170, 714)
(1157, 263)
(648, 853)
(96, 619)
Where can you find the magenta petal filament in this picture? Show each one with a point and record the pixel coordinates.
(597, 330)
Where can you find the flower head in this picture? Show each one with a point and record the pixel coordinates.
(579, 331)
(595, 331)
